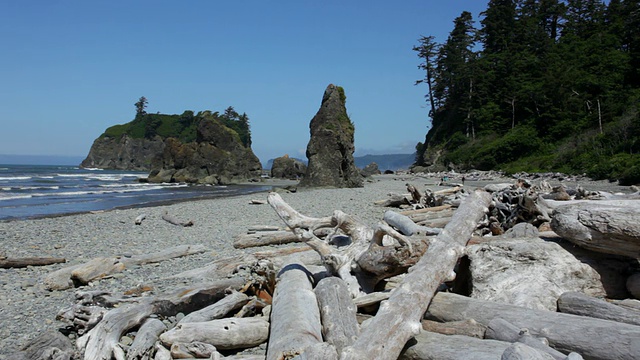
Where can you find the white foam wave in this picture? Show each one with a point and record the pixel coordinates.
(14, 197)
(15, 177)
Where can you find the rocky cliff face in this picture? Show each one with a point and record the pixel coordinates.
(216, 157)
(123, 153)
(330, 149)
(286, 167)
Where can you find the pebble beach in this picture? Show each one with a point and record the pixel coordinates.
(27, 308)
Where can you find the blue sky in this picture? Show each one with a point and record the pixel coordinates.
(70, 69)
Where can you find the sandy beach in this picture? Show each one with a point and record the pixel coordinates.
(27, 308)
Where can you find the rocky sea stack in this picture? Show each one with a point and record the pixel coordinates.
(331, 146)
(286, 167)
(207, 148)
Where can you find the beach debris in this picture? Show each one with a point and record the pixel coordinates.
(7, 263)
(174, 221)
(257, 202)
(263, 238)
(98, 268)
(140, 218)
(311, 297)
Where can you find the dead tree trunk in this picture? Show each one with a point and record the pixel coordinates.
(399, 317)
(583, 305)
(338, 312)
(32, 261)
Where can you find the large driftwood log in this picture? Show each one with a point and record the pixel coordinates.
(264, 238)
(520, 351)
(399, 317)
(468, 327)
(432, 346)
(500, 329)
(295, 317)
(224, 334)
(394, 200)
(406, 226)
(592, 338)
(100, 341)
(338, 313)
(101, 267)
(599, 227)
(7, 263)
(145, 339)
(580, 304)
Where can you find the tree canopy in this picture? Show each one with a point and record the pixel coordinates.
(539, 85)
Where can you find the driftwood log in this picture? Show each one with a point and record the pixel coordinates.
(224, 334)
(580, 304)
(589, 337)
(146, 337)
(174, 221)
(98, 268)
(7, 263)
(611, 229)
(399, 317)
(338, 313)
(433, 346)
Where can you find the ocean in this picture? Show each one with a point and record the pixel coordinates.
(31, 191)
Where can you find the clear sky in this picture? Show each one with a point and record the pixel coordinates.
(70, 69)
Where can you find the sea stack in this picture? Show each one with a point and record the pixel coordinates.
(330, 149)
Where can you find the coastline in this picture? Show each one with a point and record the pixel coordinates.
(27, 309)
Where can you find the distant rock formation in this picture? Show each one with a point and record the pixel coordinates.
(371, 169)
(216, 157)
(123, 153)
(286, 167)
(330, 149)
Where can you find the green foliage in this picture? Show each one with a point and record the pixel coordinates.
(183, 127)
(547, 85)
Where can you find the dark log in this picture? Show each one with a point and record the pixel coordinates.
(219, 309)
(399, 317)
(592, 338)
(580, 304)
(7, 263)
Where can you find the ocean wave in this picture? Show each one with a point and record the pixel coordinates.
(14, 197)
(15, 177)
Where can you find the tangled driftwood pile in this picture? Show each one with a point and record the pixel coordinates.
(389, 291)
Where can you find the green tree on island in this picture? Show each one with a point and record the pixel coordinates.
(141, 106)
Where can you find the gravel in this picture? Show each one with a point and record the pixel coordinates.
(27, 309)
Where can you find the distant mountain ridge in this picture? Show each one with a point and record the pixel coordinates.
(392, 162)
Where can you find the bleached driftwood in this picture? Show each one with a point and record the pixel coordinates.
(417, 212)
(406, 226)
(599, 227)
(264, 238)
(596, 338)
(146, 337)
(219, 309)
(7, 263)
(224, 334)
(174, 221)
(338, 313)
(468, 327)
(360, 239)
(102, 267)
(433, 346)
(500, 329)
(580, 304)
(295, 317)
(99, 342)
(196, 349)
(399, 317)
(520, 351)
(139, 219)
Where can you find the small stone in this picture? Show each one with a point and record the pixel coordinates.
(126, 341)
